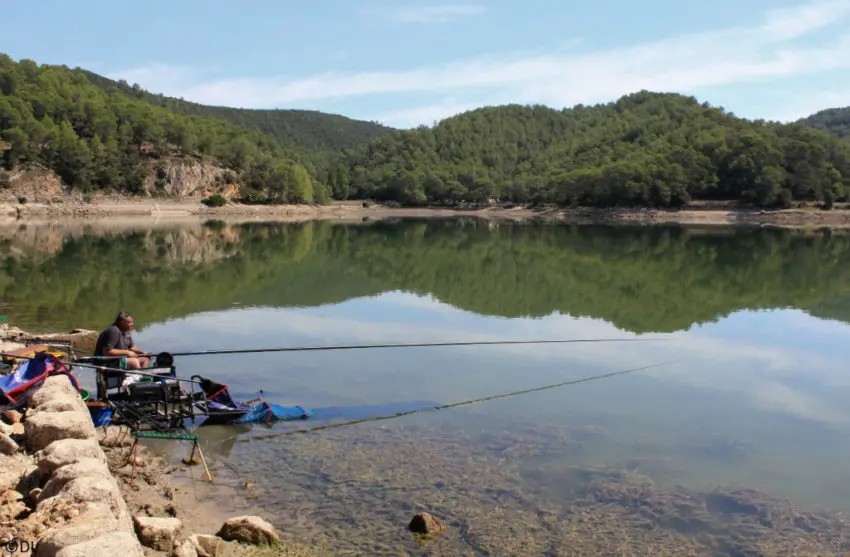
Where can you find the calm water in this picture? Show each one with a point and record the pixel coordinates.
(753, 322)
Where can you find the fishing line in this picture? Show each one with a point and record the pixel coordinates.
(445, 406)
(409, 345)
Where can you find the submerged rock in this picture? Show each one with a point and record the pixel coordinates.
(249, 529)
(424, 523)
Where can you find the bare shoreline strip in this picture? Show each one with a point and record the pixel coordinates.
(153, 212)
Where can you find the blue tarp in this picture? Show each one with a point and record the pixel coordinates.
(17, 387)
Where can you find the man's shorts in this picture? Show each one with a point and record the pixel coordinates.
(116, 363)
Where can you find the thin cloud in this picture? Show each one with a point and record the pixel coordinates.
(436, 14)
(773, 49)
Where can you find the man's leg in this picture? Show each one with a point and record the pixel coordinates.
(137, 363)
(132, 363)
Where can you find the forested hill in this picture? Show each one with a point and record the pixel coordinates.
(833, 120)
(97, 138)
(292, 128)
(644, 149)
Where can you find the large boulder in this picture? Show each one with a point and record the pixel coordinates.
(43, 428)
(96, 520)
(67, 451)
(90, 489)
(112, 544)
(83, 467)
(157, 533)
(55, 386)
(248, 529)
(61, 403)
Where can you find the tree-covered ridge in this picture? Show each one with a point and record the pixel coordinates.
(95, 139)
(642, 280)
(834, 120)
(644, 149)
(302, 129)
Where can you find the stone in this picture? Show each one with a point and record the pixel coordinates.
(115, 436)
(67, 451)
(185, 549)
(10, 496)
(205, 545)
(34, 494)
(88, 489)
(14, 470)
(54, 387)
(12, 416)
(11, 505)
(7, 446)
(112, 544)
(18, 429)
(157, 533)
(5, 429)
(92, 523)
(83, 467)
(424, 523)
(61, 403)
(44, 428)
(248, 529)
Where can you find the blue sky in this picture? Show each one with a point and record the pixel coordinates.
(415, 62)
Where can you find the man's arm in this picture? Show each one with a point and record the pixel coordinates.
(139, 351)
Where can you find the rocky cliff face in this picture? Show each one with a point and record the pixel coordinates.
(33, 184)
(189, 179)
(167, 177)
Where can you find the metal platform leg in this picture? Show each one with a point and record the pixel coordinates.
(177, 436)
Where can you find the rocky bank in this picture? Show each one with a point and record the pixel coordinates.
(69, 489)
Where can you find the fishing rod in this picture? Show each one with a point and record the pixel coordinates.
(407, 345)
(104, 368)
(448, 406)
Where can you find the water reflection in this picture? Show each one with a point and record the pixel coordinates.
(657, 279)
(754, 395)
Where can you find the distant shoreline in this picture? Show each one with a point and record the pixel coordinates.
(161, 210)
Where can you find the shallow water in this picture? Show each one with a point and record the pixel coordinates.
(750, 324)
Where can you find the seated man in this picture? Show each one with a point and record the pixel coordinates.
(117, 341)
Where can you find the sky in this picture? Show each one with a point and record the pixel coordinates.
(410, 63)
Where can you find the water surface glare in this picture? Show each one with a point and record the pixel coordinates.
(753, 322)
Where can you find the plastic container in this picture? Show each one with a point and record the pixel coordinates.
(86, 396)
(101, 414)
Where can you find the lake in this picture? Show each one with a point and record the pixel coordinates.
(750, 324)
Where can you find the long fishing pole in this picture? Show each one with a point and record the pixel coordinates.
(447, 406)
(408, 345)
(103, 368)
